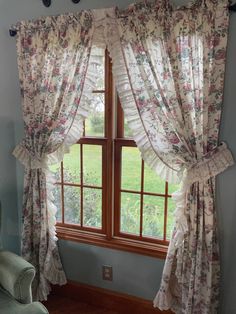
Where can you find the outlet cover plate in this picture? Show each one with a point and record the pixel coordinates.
(107, 272)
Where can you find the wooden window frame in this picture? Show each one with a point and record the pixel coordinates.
(109, 236)
(119, 143)
(86, 141)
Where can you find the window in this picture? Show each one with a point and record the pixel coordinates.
(105, 194)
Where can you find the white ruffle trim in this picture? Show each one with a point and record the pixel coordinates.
(131, 113)
(179, 197)
(24, 156)
(210, 165)
(162, 300)
(43, 289)
(76, 130)
(165, 301)
(53, 271)
(108, 33)
(73, 135)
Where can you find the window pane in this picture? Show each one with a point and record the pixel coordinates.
(127, 130)
(173, 188)
(71, 165)
(170, 217)
(153, 183)
(72, 196)
(92, 165)
(57, 201)
(92, 207)
(99, 68)
(153, 216)
(56, 170)
(94, 124)
(130, 213)
(131, 169)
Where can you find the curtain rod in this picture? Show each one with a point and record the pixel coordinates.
(47, 3)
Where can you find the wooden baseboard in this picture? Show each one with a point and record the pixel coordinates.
(122, 303)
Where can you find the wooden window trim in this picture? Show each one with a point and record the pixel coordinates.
(86, 141)
(119, 143)
(109, 236)
(109, 112)
(117, 243)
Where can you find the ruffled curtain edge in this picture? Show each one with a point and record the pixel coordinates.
(53, 273)
(111, 34)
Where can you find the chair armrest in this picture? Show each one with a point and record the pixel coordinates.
(16, 276)
(8, 305)
(35, 308)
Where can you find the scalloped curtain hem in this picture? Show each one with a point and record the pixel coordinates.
(165, 301)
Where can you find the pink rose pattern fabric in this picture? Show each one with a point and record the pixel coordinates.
(174, 61)
(169, 68)
(53, 55)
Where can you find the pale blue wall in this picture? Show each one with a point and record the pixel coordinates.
(226, 196)
(134, 274)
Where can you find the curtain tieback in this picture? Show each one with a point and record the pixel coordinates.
(28, 160)
(210, 165)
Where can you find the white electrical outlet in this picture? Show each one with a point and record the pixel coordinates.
(107, 273)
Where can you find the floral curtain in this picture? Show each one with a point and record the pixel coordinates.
(169, 68)
(56, 79)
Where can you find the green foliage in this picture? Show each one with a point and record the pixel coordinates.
(97, 123)
(72, 201)
(127, 130)
(92, 207)
(130, 210)
(153, 210)
(153, 222)
(153, 215)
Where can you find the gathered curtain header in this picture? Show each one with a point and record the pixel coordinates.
(149, 32)
(58, 22)
(142, 10)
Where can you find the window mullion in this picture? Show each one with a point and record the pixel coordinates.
(105, 185)
(120, 120)
(108, 151)
(165, 210)
(113, 141)
(81, 186)
(117, 186)
(141, 199)
(62, 194)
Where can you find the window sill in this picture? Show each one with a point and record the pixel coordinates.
(150, 249)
